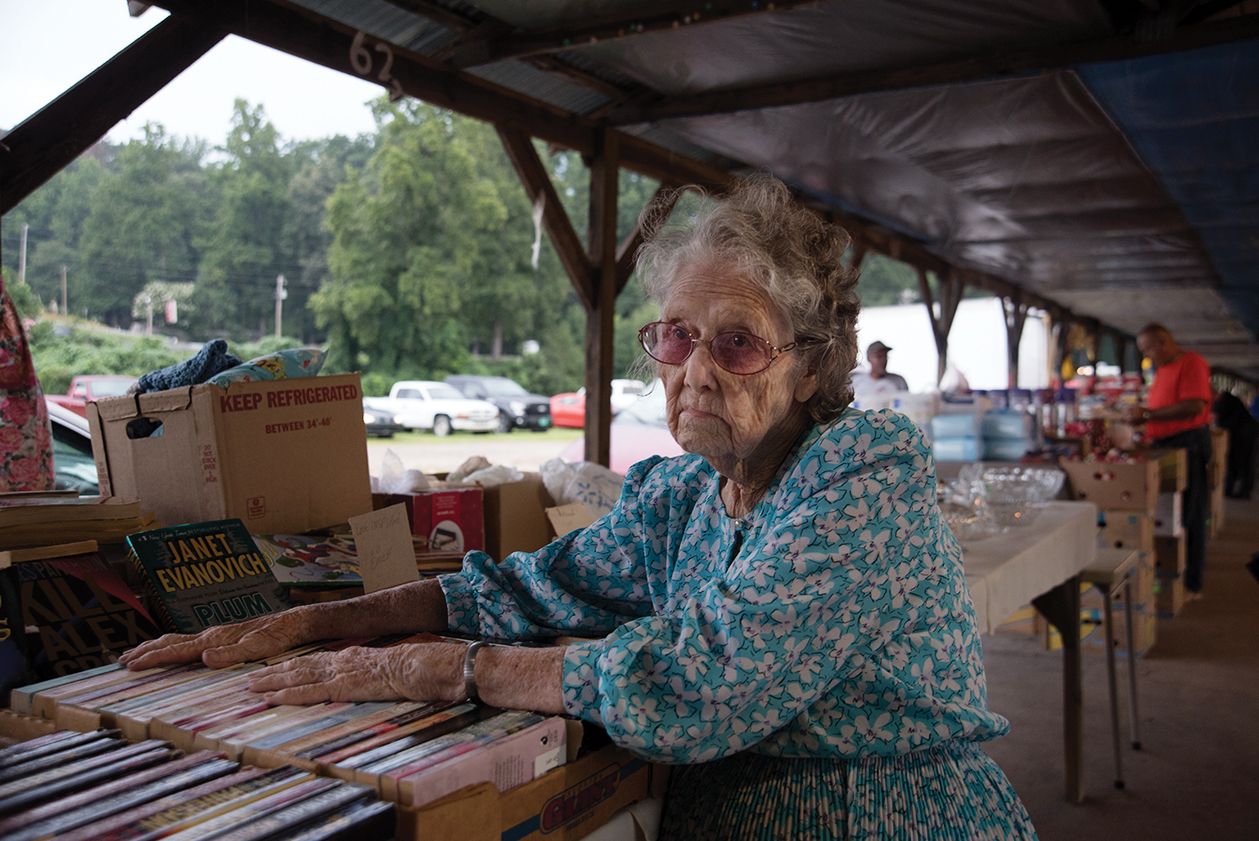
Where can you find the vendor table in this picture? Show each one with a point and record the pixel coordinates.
(1041, 563)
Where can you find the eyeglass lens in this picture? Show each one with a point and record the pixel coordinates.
(738, 353)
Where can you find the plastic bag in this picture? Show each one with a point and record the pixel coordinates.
(396, 479)
(585, 481)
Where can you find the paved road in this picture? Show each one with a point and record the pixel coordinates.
(522, 450)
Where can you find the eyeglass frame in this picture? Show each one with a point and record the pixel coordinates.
(775, 351)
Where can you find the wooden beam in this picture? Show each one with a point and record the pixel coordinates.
(661, 204)
(594, 30)
(859, 252)
(604, 171)
(484, 26)
(1015, 311)
(308, 35)
(951, 288)
(537, 183)
(47, 141)
(1024, 60)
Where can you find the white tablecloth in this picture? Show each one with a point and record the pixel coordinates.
(1007, 571)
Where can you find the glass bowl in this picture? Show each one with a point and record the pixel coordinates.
(1015, 493)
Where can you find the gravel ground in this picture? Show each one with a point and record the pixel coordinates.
(522, 450)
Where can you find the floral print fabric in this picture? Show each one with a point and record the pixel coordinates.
(832, 622)
(25, 439)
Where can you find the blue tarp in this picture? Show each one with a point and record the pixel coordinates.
(1193, 118)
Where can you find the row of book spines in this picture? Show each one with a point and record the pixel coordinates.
(117, 790)
(98, 689)
(71, 694)
(431, 739)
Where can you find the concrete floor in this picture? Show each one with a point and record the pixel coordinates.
(1198, 691)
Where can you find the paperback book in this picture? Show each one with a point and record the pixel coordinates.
(205, 574)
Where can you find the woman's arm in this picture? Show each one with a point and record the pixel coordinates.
(586, 583)
(405, 609)
(510, 677)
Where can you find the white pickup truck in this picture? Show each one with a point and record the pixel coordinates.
(423, 404)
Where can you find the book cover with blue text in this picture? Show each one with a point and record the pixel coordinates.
(205, 574)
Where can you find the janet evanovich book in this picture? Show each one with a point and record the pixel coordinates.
(204, 574)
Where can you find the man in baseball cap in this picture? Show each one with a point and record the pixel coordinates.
(878, 380)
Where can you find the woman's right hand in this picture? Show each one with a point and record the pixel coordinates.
(225, 645)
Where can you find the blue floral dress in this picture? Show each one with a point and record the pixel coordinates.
(832, 624)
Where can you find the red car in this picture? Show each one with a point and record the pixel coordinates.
(85, 388)
(639, 431)
(569, 409)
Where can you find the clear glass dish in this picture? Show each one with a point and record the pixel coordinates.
(1014, 493)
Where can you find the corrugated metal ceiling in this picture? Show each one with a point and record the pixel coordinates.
(1078, 186)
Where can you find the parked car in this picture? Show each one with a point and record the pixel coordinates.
(424, 404)
(85, 388)
(380, 423)
(569, 409)
(516, 407)
(73, 466)
(639, 431)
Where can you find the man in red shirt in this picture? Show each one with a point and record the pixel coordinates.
(1177, 414)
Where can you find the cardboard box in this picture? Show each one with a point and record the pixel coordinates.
(565, 804)
(1173, 469)
(1126, 530)
(284, 456)
(1215, 517)
(515, 517)
(1131, 486)
(453, 519)
(1219, 448)
(1170, 597)
(1169, 515)
(1169, 556)
(1144, 632)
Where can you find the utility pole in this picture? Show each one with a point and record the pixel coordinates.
(21, 255)
(148, 306)
(65, 305)
(281, 292)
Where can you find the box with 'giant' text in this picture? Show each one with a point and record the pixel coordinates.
(284, 456)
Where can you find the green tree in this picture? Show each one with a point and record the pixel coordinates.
(140, 225)
(245, 250)
(318, 168)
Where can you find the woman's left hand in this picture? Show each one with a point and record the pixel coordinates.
(414, 672)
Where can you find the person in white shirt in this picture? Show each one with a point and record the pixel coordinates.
(878, 380)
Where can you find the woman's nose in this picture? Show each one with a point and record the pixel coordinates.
(699, 368)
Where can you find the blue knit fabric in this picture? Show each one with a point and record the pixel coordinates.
(210, 360)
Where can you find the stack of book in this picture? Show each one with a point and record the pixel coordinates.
(96, 785)
(326, 562)
(63, 609)
(36, 519)
(410, 752)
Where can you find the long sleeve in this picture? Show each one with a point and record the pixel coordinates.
(588, 582)
(843, 627)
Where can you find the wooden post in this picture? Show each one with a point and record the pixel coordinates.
(1062, 338)
(603, 288)
(951, 288)
(1015, 317)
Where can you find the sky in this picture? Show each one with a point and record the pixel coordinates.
(48, 45)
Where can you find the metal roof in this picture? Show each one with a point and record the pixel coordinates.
(1013, 138)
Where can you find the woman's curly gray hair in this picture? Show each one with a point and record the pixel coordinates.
(794, 253)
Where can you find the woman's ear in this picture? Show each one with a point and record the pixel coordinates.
(806, 387)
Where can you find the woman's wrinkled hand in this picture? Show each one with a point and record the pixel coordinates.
(224, 645)
(414, 672)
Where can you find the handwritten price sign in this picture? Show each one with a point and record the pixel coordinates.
(364, 62)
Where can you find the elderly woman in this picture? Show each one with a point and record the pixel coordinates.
(781, 612)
